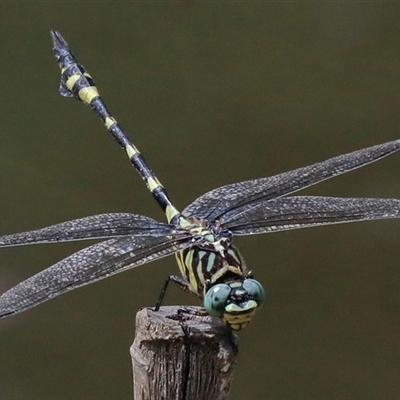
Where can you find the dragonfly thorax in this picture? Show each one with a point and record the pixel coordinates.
(217, 273)
(210, 257)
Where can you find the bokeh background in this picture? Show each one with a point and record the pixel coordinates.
(211, 93)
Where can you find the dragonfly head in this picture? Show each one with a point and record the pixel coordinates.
(235, 303)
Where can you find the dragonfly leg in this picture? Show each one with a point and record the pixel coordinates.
(199, 312)
(182, 311)
(180, 282)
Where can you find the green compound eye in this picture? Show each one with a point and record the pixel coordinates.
(216, 298)
(255, 289)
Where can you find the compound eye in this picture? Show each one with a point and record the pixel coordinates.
(255, 289)
(216, 298)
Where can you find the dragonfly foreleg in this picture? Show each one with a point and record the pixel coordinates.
(183, 284)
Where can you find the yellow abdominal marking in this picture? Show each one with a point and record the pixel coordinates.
(153, 183)
(109, 122)
(71, 81)
(131, 150)
(87, 94)
(170, 213)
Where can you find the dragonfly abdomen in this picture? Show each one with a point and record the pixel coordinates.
(77, 82)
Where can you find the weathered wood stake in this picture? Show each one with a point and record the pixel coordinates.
(169, 365)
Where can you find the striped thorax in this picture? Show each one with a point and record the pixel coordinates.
(218, 275)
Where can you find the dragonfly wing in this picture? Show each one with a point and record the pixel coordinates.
(93, 227)
(93, 263)
(215, 203)
(296, 212)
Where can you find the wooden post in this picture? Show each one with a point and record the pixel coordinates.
(169, 364)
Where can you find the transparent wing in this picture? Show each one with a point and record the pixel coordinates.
(215, 203)
(307, 211)
(93, 227)
(96, 262)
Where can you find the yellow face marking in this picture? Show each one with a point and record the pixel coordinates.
(88, 94)
(71, 81)
(238, 327)
(131, 150)
(234, 311)
(109, 122)
(241, 319)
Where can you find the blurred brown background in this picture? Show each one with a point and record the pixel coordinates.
(211, 93)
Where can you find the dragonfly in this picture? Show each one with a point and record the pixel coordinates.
(201, 236)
